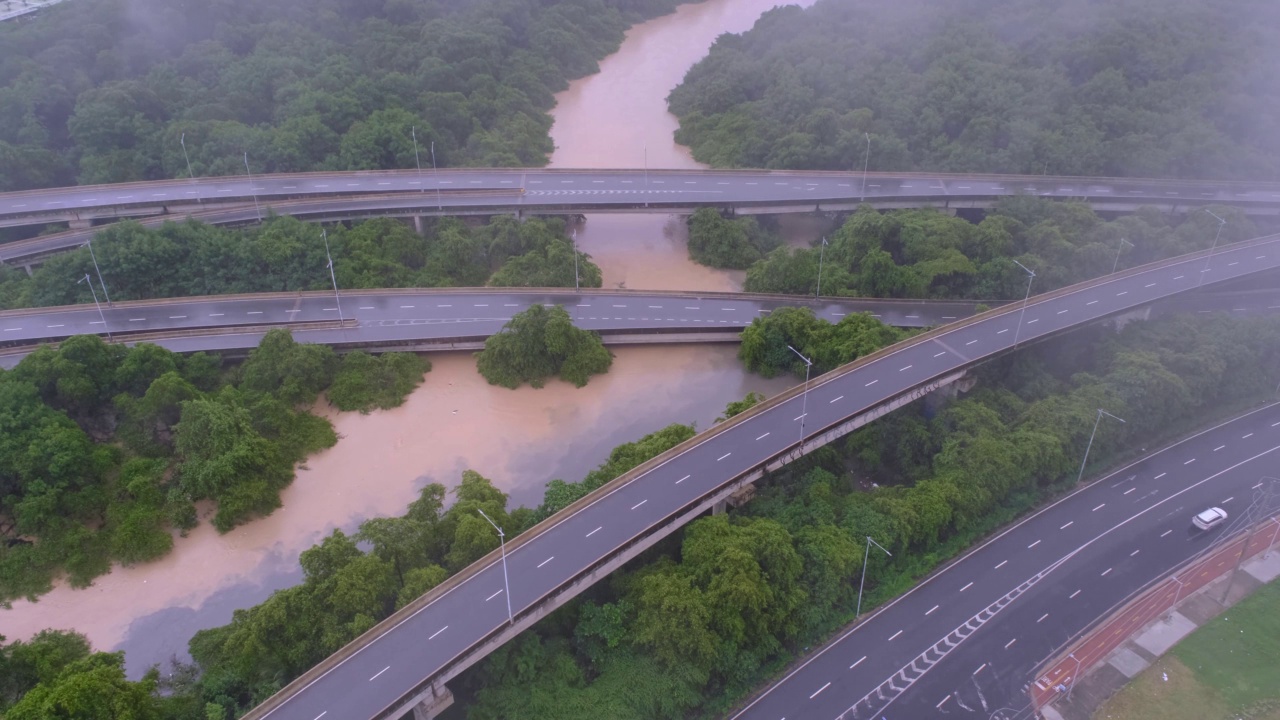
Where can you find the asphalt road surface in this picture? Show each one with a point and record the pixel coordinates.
(387, 316)
(950, 648)
(393, 665)
(585, 189)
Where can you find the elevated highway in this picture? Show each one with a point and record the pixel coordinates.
(462, 318)
(341, 196)
(407, 659)
(413, 319)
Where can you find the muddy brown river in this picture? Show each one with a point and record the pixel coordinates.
(455, 421)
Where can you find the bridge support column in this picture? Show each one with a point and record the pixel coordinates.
(1142, 313)
(27, 267)
(417, 224)
(430, 707)
(80, 223)
(740, 497)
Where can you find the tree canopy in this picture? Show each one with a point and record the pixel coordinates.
(105, 449)
(1153, 88)
(285, 254)
(125, 90)
(539, 343)
(929, 254)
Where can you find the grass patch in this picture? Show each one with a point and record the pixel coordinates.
(1229, 668)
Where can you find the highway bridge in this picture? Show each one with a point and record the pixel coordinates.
(344, 196)
(460, 318)
(406, 660)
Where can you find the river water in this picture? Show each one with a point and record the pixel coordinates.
(455, 421)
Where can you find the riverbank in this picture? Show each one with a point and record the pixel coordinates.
(453, 422)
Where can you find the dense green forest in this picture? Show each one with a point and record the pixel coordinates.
(111, 90)
(929, 254)
(1163, 88)
(104, 450)
(703, 617)
(286, 254)
(721, 242)
(538, 343)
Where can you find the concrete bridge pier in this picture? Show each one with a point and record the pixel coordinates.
(80, 223)
(438, 698)
(1142, 313)
(417, 225)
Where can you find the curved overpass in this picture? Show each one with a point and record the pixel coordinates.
(409, 656)
(462, 318)
(502, 190)
(417, 319)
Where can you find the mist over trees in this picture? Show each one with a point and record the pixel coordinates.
(285, 255)
(929, 254)
(108, 91)
(1160, 88)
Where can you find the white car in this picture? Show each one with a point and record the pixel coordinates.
(1210, 518)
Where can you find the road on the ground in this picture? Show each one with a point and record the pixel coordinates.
(965, 642)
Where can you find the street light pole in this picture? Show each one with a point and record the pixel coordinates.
(86, 279)
(255, 192)
(1217, 235)
(1031, 276)
(821, 252)
(1074, 676)
(1089, 447)
(866, 159)
(337, 298)
(190, 174)
(804, 402)
(865, 556)
(105, 294)
(416, 161)
(573, 245)
(1119, 250)
(435, 169)
(646, 174)
(506, 585)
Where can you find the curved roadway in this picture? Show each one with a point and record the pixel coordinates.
(965, 642)
(396, 663)
(450, 191)
(390, 316)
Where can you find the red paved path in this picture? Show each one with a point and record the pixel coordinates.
(1135, 615)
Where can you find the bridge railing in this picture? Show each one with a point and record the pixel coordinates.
(389, 623)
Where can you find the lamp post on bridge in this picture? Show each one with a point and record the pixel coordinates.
(435, 169)
(1217, 235)
(255, 192)
(573, 246)
(182, 140)
(413, 130)
(865, 556)
(89, 243)
(1089, 447)
(103, 317)
(1031, 276)
(336, 297)
(506, 586)
(804, 402)
(1119, 249)
(866, 159)
(822, 251)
